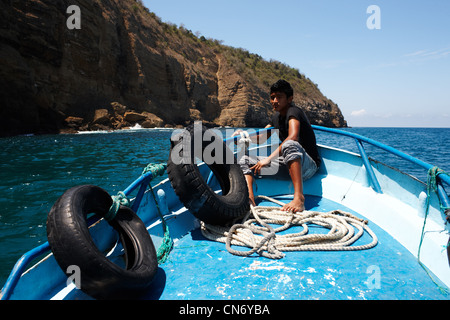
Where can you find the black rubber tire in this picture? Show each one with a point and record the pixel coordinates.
(193, 190)
(71, 244)
(448, 251)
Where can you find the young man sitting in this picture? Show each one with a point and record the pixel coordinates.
(298, 149)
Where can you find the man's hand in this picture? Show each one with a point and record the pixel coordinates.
(263, 163)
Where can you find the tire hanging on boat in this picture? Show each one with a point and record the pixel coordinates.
(72, 245)
(448, 251)
(191, 187)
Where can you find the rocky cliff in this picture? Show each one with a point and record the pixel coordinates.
(124, 66)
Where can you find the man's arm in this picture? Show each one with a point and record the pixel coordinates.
(261, 138)
(294, 130)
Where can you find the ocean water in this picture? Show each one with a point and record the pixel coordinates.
(36, 170)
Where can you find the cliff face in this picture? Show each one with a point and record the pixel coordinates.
(124, 61)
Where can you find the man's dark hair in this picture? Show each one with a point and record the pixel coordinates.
(282, 86)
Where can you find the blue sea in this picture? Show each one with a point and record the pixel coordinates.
(36, 170)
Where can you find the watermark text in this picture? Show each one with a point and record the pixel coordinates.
(74, 20)
(374, 20)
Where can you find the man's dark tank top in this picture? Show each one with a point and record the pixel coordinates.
(307, 138)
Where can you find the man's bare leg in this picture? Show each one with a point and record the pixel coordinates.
(298, 203)
(251, 196)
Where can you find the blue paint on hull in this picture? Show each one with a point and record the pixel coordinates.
(202, 269)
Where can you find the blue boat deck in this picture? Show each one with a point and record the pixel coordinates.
(202, 269)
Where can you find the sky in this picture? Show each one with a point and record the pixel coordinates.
(384, 66)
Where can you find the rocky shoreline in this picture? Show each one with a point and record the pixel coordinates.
(115, 118)
(119, 117)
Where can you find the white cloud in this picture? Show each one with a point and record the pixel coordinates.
(417, 53)
(415, 57)
(423, 55)
(358, 113)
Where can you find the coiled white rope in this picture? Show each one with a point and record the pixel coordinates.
(256, 232)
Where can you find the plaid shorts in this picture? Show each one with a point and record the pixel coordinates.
(290, 150)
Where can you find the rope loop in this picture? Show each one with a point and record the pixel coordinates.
(119, 200)
(157, 169)
(432, 186)
(245, 140)
(256, 232)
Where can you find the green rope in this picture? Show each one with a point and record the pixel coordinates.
(167, 243)
(120, 199)
(432, 186)
(157, 169)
